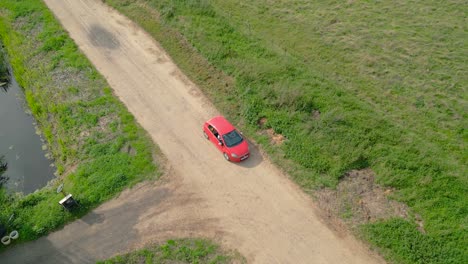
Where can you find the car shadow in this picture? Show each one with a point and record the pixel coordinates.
(255, 157)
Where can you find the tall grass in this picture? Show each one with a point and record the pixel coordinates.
(178, 251)
(3, 67)
(376, 84)
(97, 146)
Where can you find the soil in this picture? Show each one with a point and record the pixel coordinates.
(275, 138)
(251, 207)
(359, 200)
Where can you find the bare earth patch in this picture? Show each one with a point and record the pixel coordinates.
(316, 114)
(275, 138)
(358, 200)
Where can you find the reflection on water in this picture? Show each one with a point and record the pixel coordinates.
(3, 168)
(28, 168)
(4, 86)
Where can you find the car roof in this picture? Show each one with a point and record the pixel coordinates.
(221, 124)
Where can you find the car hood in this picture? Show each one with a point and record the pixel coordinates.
(241, 149)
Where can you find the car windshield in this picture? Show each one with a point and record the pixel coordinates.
(232, 139)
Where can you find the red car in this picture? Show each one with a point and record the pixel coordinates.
(226, 138)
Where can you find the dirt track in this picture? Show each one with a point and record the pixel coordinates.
(250, 207)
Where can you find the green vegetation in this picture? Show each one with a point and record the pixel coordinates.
(97, 146)
(3, 67)
(196, 251)
(3, 168)
(351, 85)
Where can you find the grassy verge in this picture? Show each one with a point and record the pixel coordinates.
(355, 85)
(97, 146)
(3, 67)
(195, 251)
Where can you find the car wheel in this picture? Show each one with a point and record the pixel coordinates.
(205, 135)
(226, 157)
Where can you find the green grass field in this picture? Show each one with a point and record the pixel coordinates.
(97, 146)
(193, 251)
(351, 85)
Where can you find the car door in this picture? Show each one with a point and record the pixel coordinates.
(212, 134)
(220, 143)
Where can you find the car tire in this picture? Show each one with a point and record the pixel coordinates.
(226, 157)
(205, 135)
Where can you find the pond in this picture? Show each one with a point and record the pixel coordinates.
(23, 149)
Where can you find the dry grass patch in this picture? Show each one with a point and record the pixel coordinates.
(358, 199)
(275, 138)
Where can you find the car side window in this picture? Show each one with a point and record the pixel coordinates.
(215, 133)
(212, 130)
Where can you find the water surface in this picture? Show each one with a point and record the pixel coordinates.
(28, 167)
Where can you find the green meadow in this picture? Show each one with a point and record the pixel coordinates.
(350, 85)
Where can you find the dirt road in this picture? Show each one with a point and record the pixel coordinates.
(250, 207)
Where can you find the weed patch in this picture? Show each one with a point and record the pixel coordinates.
(359, 200)
(3, 70)
(179, 251)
